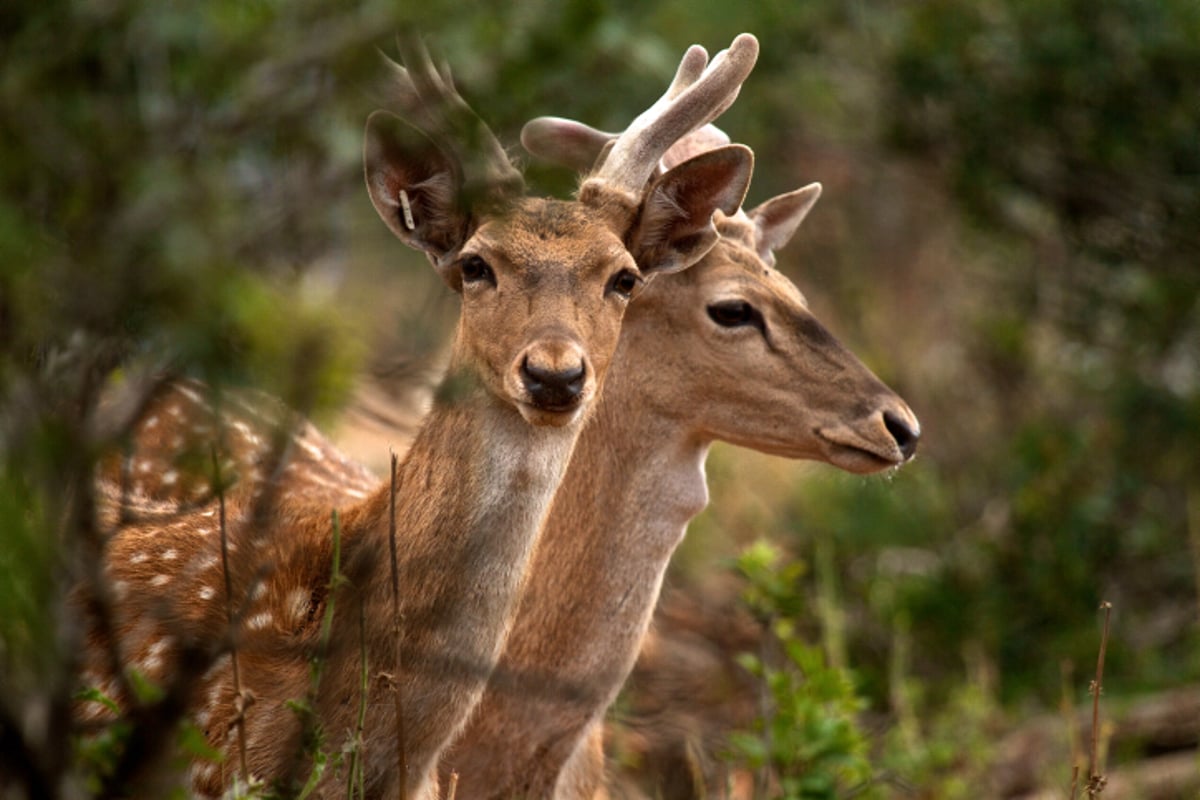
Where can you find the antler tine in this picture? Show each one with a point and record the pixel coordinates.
(424, 91)
(697, 96)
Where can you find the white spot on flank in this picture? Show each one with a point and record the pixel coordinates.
(201, 771)
(250, 436)
(145, 465)
(153, 659)
(297, 604)
(138, 558)
(119, 588)
(176, 411)
(217, 666)
(176, 442)
(169, 477)
(201, 720)
(208, 562)
(259, 621)
(170, 555)
(160, 580)
(260, 589)
(206, 593)
(151, 422)
(317, 453)
(191, 394)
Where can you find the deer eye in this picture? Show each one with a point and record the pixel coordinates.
(474, 269)
(736, 314)
(624, 283)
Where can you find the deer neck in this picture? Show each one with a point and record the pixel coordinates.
(634, 482)
(471, 497)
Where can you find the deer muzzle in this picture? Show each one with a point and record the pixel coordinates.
(555, 381)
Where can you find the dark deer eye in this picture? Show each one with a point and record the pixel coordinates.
(624, 283)
(735, 314)
(475, 269)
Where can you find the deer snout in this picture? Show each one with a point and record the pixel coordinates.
(905, 430)
(885, 437)
(554, 375)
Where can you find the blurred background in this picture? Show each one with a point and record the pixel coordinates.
(1008, 236)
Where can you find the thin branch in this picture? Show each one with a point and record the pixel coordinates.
(311, 732)
(1067, 708)
(397, 692)
(1096, 781)
(357, 772)
(240, 701)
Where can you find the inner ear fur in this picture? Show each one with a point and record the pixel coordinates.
(777, 219)
(398, 157)
(675, 228)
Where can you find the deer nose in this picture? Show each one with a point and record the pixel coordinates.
(554, 388)
(906, 433)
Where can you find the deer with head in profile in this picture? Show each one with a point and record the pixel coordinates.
(728, 351)
(544, 285)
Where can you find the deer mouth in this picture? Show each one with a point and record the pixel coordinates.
(847, 452)
(553, 414)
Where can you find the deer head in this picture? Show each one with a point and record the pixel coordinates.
(544, 283)
(748, 360)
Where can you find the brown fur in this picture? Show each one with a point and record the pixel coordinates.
(678, 383)
(471, 494)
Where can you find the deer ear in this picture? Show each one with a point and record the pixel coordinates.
(776, 220)
(676, 228)
(565, 142)
(414, 186)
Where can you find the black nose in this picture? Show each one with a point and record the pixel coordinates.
(553, 389)
(906, 438)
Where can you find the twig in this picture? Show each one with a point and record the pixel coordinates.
(335, 583)
(355, 775)
(1067, 707)
(401, 758)
(310, 726)
(1096, 781)
(240, 704)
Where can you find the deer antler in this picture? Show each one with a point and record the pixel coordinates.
(700, 92)
(429, 98)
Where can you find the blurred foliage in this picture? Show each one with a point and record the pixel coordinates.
(812, 738)
(1069, 130)
(808, 734)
